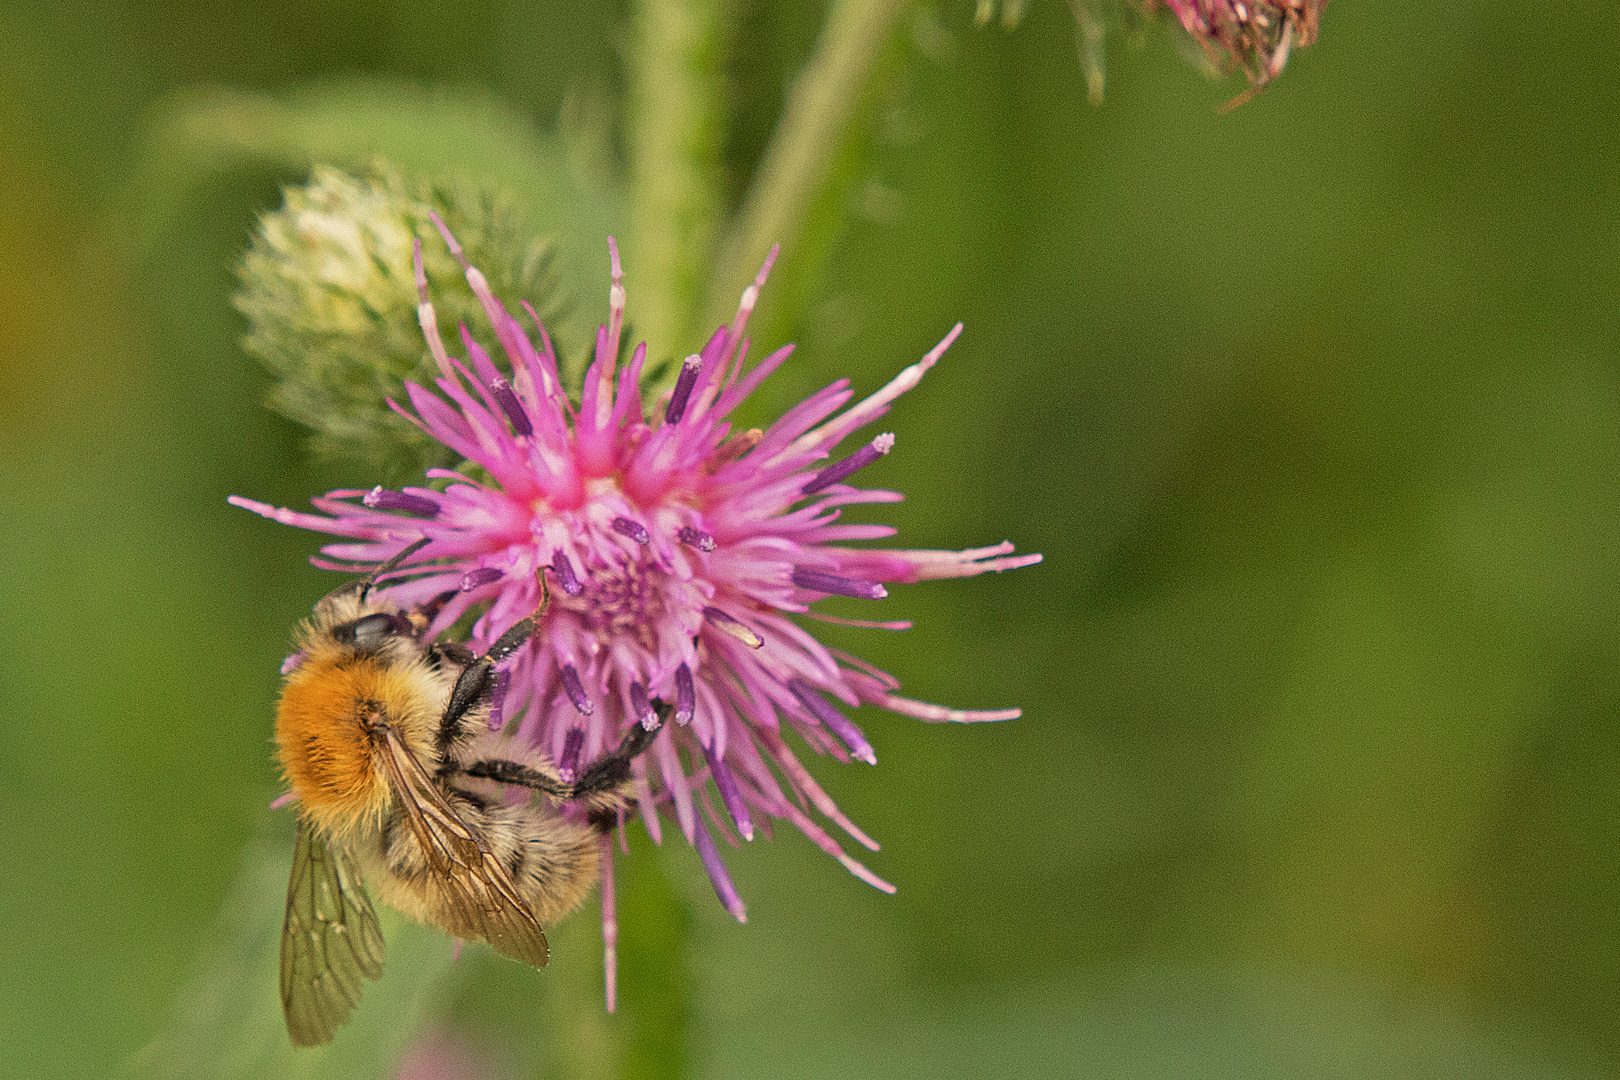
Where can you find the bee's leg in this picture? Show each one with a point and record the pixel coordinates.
(430, 610)
(599, 785)
(438, 652)
(512, 772)
(474, 683)
(607, 774)
(454, 652)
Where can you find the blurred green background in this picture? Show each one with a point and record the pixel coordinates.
(1314, 409)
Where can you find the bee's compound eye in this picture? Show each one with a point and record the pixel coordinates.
(367, 632)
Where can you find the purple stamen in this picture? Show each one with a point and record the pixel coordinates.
(837, 721)
(568, 764)
(817, 581)
(730, 794)
(563, 571)
(685, 695)
(735, 627)
(860, 459)
(683, 389)
(642, 706)
(625, 527)
(695, 538)
(576, 690)
(380, 498)
(497, 700)
(507, 399)
(478, 577)
(716, 869)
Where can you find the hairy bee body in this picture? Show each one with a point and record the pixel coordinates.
(339, 690)
(553, 861)
(326, 753)
(384, 739)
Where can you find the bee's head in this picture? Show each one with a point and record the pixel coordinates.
(356, 622)
(352, 620)
(368, 632)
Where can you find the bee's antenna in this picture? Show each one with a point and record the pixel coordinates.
(363, 586)
(545, 593)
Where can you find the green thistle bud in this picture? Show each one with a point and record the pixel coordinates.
(330, 297)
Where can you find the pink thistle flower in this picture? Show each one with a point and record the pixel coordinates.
(1255, 35)
(678, 550)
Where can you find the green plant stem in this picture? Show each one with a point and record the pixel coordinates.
(801, 151)
(673, 136)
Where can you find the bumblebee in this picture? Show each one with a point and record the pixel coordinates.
(384, 739)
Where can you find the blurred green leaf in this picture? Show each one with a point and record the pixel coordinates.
(228, 1021)
(1154, 1023)
(561, 182)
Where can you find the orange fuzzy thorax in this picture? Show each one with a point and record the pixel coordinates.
(327, 753)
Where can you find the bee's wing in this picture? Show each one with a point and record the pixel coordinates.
(330, 938)
(479, 900)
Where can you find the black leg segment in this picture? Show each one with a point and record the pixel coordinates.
(512, 772)
(605, 774)
(454, 652)
(471, 686)
(474, 683)
(512, 640)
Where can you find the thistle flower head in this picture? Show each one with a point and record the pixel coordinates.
(679, 554)
(1252, 35)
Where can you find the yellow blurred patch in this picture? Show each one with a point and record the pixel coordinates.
(40, 244)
